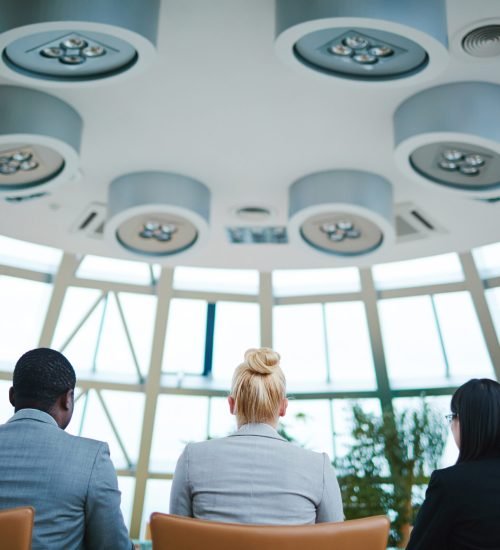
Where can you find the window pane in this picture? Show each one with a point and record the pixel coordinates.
(412, 347)
(422, 271)
(157, 499)
(240, 281)
(305, 282)
(440, 404)
(222, 422)
(111, 269)
(309, 423)
(80, 351)
(349, 349)
(23, 307)
(463, 340)
(493, 298)
(299, 337)
(126, 411)
(6, 409)
(343, 421)
(101, 342)
(127, 487)
(179, 420)
(185, 340)
(29, 255)
(487, 259)
(237, 328)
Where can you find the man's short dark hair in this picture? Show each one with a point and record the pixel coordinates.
(41, 376)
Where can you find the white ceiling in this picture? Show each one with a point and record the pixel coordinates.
(218, 105)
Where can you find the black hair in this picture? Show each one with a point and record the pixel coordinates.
(477, 405)
(40, 377)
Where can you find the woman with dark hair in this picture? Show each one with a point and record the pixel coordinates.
(461, 510)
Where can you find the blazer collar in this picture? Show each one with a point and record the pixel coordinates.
(33, 414)
(260, 430)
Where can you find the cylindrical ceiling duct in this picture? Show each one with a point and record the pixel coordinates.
(157, 213)
(367, 40)
(448, 137)
(343, 212)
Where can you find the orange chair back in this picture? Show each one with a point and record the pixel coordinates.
(16, 528)
(179, 533)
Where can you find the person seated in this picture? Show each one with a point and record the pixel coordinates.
(69, 480)
(255, 475)
(461, 510)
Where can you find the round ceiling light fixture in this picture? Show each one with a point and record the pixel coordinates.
(342, 212)
(367, 40)
(449, 137)
(157, 213)
(39, 141)
(62, 42)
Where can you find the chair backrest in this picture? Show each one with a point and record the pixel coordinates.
(16, 528)
(179, 533)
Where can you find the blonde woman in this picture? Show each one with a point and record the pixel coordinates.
(254, 475)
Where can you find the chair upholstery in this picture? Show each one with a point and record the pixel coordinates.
(180, 533)
(16, 528)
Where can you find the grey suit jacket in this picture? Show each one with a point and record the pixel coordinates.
(70, 481)
(255, 476)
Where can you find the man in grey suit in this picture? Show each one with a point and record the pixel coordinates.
(70, 481)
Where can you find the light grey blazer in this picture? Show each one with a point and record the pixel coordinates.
(255, 476)
(70, 481)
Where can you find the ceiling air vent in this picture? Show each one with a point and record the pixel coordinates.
(91, 221)
(412, 223)
(482, 41)
(257, 235)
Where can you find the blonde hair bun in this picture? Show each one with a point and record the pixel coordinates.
(262, 360)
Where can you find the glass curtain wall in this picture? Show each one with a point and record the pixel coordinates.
(154, 349)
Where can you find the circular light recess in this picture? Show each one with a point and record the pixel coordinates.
(68, 42)
(361, 53)
(342, 212)
(459, 165)
(66, 55)
(450, 136)
(367, 40)
(157, 213)
(23, 166)
(39, 140)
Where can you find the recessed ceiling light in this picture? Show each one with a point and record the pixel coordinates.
(438, 141)
(157, 213)
(68, 42)
(39, 140)
(342, 212)
(368, 40)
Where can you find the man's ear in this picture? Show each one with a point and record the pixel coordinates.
(12, 397)
(66, 400)
(231, 402)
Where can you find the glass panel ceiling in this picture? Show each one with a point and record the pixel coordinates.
(241, 281)
(487, 259)
(306, 282)
(111, 269)
(29, 255)
(445, 268)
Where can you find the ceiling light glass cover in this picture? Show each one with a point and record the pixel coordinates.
(450, 136)
(368, 40)
(342, 212)
(39, 141)
(68, 42)
(157, 213)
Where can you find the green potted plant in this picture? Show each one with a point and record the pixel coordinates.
(390, 455)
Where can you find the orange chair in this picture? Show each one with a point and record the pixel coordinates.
(16, 528)
(180, 533)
